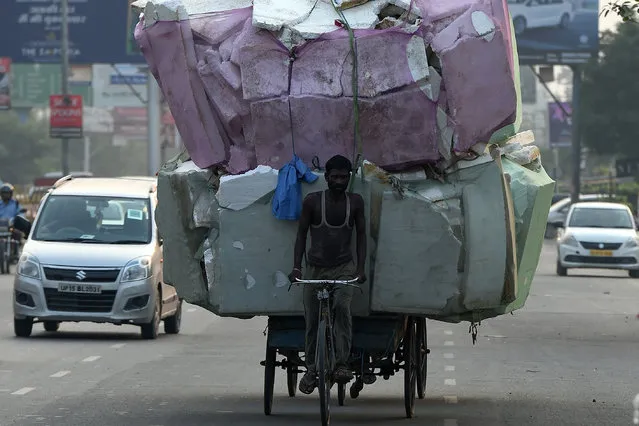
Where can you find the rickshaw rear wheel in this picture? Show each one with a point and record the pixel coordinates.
(410, 370)
(269, 379)
(422, 357)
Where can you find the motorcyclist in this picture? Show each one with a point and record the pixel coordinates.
(9, 209)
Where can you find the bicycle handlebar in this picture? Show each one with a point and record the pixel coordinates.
(339, 282)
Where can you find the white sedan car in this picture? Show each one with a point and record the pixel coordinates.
(598, 235)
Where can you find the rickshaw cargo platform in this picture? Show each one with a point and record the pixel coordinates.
(436, 249)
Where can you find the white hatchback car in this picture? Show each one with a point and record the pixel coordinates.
(540, 13)
(598, 235)
(94, 255)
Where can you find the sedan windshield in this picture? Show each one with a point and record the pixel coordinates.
(600, 218)
(98, 220)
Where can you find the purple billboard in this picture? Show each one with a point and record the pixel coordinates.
(560, 124)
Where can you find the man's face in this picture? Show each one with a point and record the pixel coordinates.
(6, 196)
(338, 180)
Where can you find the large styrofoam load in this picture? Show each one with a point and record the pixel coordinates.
(250, 85)
(427, 240)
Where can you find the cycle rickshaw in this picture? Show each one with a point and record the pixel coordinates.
(382, 345)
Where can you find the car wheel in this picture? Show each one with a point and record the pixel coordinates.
(51, 326)
(561, 271)
(172, 323)
(23, 327)
(564, 21)
(634, 273)
(551, 232)
(519, 24)
(149, 330)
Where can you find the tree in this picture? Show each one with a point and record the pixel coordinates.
(626, 9)
(21, 146)
(610, 105)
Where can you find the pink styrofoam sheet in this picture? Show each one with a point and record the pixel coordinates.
(240, 98)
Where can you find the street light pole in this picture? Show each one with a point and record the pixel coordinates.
(65, 77)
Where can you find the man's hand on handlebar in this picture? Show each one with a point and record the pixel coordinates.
(361, 277)
(295, 275)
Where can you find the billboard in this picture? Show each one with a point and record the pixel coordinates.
(98, 31)
(120, 85)
(65, 119)
(5, 83)
(555, 31)
(31, 84)
(559, 125)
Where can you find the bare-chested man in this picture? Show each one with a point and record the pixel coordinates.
(331, 216)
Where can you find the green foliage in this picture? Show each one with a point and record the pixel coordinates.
(610, 93)
(21, 144)
(624, 193)
(626, 9)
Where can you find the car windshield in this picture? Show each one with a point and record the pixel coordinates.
(600, 218)
(98, 220)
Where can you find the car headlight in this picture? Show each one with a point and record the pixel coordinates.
(632, 242)
(569, 240)
(28, 266)
(137, 269)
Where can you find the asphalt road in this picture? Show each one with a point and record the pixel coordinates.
(568, 358)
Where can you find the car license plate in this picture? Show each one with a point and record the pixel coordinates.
(605, 253)
(79, 288)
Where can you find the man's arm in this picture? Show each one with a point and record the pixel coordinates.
(360, 226)
(302, 232)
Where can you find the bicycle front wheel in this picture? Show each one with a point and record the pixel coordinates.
(324, 382)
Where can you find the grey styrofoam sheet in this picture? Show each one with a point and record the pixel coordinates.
(427, 240)
(251, 255)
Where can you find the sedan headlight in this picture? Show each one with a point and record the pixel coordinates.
(137, 269)
(28, 266)
(632, 242)
(569, 240)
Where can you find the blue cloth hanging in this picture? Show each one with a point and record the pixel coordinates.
(287, 201)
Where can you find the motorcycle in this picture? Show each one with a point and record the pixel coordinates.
(9, 245)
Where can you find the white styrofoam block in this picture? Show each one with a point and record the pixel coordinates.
(237, 192)
(418, 61)
(187, 166)
(274, 14)
(483, 24)
(322, 18)
(179, 10)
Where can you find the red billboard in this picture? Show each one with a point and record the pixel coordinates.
(5, 83)
(65, 121)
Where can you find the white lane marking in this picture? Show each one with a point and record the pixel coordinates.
(91, 358)
(450, 399)
(6, 371)
(448, 332)
(5, 390)
(191, 310)
(450, 382)
(450, 422)
(60, 374)
(118, 345)
(449, 343)
(22, 391)
(449, 368)
(449, 355)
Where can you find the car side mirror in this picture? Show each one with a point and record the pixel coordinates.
(22, 225)
(558, 224)
(23, 211)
